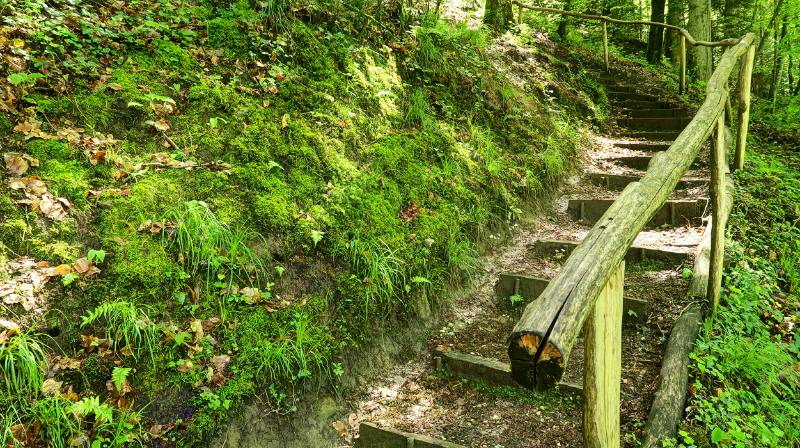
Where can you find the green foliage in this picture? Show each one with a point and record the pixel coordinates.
(119, 375)
(746, 386)
(22, 365)
(211, 247)
(125, 324)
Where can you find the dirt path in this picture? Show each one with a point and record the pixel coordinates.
(421, 399)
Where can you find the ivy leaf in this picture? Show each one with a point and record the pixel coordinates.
(717, 435)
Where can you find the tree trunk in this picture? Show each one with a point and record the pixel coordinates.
(655, 41)
(498, 14)
(562, 25)
(700, 28)
(765, 32)
(777, 68)
(675, 15)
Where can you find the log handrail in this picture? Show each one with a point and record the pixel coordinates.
(543, 338)
(691, 40)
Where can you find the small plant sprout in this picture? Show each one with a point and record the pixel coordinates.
(96, 256)
(118, 376)
(516, 299)
(316, 236)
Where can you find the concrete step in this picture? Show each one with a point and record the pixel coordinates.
(638, 104)
(530, 288)
(662, 136)
(656, 113)
(655, 124)
(644, 146)
(487, 370)
(673, 212)
(373, 436)
(632, 96)
(638, 162)
(635, 254)
(617, 182)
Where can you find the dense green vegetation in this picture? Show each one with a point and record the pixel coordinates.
(227, 197)
(746, 366)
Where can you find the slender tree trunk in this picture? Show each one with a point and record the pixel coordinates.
(700, 27)
(655, 40)
(675, 15)
(777, 69)
(790, 73)
(765, 33)
(498, 14)
(562, 25)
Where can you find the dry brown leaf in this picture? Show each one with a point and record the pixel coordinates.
(114, 86)
(51, 387)
(16, 164)
(220, 362)
(340, 428)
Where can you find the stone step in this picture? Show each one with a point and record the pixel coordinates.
(617, 182)
(655, 124)
(487, 370)
(659, 136)
(373, 436)
(635, 254)
(632, 96)
(638, 162)
(644, 146)
(634, 311)
(673, 212)
(656, 113)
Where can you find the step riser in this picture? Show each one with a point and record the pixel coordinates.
(634, 104)
(633, 310)
(653, 147)
(639, 162)
(673, 213)
(617, 182)
(374, 436)
(631, 96)
(635, 254)
(654, 124)
(654, 135)
(656, 113)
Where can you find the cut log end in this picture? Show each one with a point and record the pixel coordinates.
(530, 372)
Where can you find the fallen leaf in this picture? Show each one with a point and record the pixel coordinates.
(339, 426)
(16, 164)
(51, 387)
(114, 86)
(220, 362)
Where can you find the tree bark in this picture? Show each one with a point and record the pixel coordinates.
(498, 14)
(655, 40)
(700, 27)
(562, 25)
(675, 13)
(777, 68)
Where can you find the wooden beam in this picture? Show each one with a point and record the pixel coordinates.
(682, 74)
(603, 366)
(717, 206)
(605, 45)
(667, 409)
(745, 76)
(722, 43)
(542, 340)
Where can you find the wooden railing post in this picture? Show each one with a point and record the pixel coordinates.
(519, 15)
(603, 366)
(605, 44)
(745, 76)
(682, 74)
(718, 164)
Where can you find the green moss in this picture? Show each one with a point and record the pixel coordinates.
(45, 150)
(5, 124)
(66, 179)
(226, 33)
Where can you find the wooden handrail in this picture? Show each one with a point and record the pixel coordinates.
(542, 340)
(689, 39)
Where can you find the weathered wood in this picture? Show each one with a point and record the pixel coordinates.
(657, 113)
(691, 40)
(644, 146)
(602, 371)
(698, 288)
(633, 310)
(487, 370)
(633, 96)
(667, 408)
(655, 124)
(605, 45)
(542, 340)
(718, 165)
(745, 76)
(371, 435)
(682, 63)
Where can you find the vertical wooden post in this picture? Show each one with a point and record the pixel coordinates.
(605, 44)
(745, 76)
(718, 165)
(603, 366)
(682, 74)
(519, 15)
